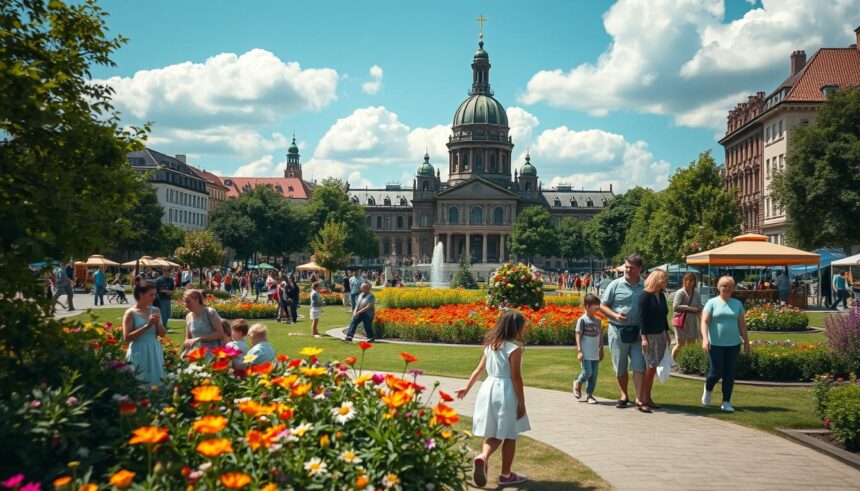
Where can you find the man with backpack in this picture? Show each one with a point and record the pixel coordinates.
(65, 285)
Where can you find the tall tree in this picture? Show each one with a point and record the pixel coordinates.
(142, 223)
(331, 201)
(607, 231)
(201, 249)
(329, 247)
(571, 239)
(820, 186)
(533, 234)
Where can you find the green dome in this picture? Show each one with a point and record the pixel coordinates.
(425, 169)
(481, 109)
(528, 170)
(482, 54)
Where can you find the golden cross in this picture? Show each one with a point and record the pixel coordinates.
(481, 19)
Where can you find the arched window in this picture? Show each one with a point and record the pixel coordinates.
(453, 215)
(528, 186)
(386, 201)
(479, 162)
(476, 215)
(403, 201)
(557, 202)
(425, 219)
(465, 161)
(573, 203)
(492, 163)
(371, 201)
(379, 222)
(589, 202)
(425, 186)
(355, 199)
(498, 215)
(399, 222)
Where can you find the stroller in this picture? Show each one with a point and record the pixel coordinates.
(116, 294)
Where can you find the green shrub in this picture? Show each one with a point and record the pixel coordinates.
(219, 294)
(770, 317)
(463, 278)
(842, 412)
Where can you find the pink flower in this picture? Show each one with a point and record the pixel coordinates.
(827, 422)
(31, 486)
(72, 401)
(378, 378)
(35, 404)
(13, 481)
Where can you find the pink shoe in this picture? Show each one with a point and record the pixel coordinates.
(513, 478)
(479, 471)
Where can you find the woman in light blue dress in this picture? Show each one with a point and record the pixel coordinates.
(141, 326)
(500, 408)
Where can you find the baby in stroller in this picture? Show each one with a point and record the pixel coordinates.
(116, 294)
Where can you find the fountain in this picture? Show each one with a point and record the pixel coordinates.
(437, 268)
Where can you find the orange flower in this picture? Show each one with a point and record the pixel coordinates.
(206, 393)
(89, 487)
(396, 383)
(197, 354)
(350, 361)
(62, 481)
(396, 399)
(445, 396)
(299, 390)
(262, 369)
(286, 413)
(127, 408)
(285, 382)
(121, 479)
(148, 435)
(271, 435)
(210, 424)
(254, 439)
(364, 345)
(408, 358)
(361, 482)
(445, 415)
(235, 480)
(282, 358)
(254, 409)
(269, 487)
(214, 447)
(221, 364)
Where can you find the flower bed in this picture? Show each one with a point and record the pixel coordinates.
(514, 285)
(770, 360)
(571, 300)
(837, 402)
(771, 317)
(290, 424)
(328, 298)
(468, 323)
(413, 298)
(232, 309)
(218, 294)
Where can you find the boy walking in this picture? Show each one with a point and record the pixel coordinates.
(589, 343)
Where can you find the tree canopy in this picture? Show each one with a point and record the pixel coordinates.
(571, 239)
(200, 249)
(820, 186)
(533, 234)
(607, 231)
(329, 247)
(330, 200)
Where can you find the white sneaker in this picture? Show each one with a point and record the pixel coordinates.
(706, 396)
(727, 408)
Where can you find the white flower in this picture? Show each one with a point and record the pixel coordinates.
(316, 467)
(350, 457)
(391, 481)
(301, 429)
(249, 358)
(343, 413)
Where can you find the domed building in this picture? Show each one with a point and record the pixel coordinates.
(474, 210)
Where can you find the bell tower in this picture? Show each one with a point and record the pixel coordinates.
(294, 167)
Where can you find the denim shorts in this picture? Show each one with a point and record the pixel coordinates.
(622, 351)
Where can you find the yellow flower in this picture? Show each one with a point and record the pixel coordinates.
(214, 447)
(206, 393)
(313, 372)
(309, 351)
(210, 424)
(390, 480)
(446, 434)
(325, 441)
(269, 487)
(362, 379)
(299, 390)
(249, 359)
(122, 479)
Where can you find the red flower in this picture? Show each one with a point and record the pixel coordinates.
(445, 396)
(407, 357)
(221, 364)
(350, 361)
(364, 345)
(282, 358)
(127, 408)
(295, 363)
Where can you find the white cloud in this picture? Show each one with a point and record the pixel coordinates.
(680, 58)
(244, 94)
(594, 158)
(262, 167)
(522, 124)
(375, 83)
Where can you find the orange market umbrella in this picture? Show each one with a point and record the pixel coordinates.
(146, 261)
(752, 250)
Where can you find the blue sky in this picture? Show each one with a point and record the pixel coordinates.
(601, 92)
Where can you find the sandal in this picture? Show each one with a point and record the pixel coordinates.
(653, 405)
(622, 403)
(643, 408)
(591, 400)
(479, 471)
(577, 390)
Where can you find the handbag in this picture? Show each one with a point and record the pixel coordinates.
(678, 319)
(628, 334)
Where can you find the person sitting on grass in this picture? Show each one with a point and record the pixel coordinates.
(500, 408)
(261, 351)
(589, 344)
(238, 331)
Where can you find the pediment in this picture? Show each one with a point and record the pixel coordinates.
(477, 188)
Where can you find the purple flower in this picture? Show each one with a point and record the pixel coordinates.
(416, 373)
(430, 443)
(13, 481)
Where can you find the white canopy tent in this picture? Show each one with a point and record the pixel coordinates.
(848, 261)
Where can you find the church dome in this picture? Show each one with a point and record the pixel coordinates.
(481, 109)
(528, 170)
(426, 169)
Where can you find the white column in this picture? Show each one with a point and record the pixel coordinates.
(484, 249)
(468, 247)
(448, 246)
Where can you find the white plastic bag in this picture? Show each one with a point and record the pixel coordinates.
(665, 368)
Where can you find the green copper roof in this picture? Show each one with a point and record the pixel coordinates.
(528, 170)
(425, 169)
(481, 109)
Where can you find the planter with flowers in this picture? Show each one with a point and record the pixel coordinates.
(514, 285)
(773, 317)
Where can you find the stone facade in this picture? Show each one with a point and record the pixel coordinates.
(181, 192)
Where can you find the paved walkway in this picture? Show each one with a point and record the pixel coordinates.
(668, 449)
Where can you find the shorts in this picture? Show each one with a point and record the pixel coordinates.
(316, 312)
(657, 345)
(622, 351)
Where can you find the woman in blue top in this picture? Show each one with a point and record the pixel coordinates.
(723, 327)
(141, 326)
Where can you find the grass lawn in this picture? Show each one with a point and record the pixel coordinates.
(759, 407)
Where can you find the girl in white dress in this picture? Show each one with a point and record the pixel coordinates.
(500, 408)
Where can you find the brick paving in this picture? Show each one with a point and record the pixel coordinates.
(668, 449)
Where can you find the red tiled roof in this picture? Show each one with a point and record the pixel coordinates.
(289, 187)
(209, 177)
(829, 66)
